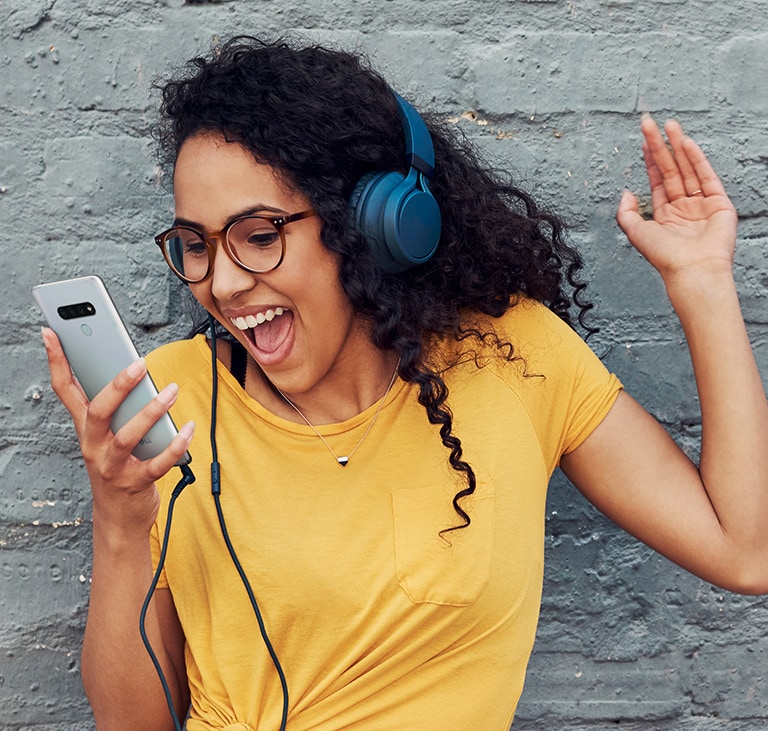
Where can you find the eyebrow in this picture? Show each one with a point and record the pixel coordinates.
(252, 211)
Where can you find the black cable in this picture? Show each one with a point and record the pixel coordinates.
(257, 612)
(188, 478)
(216, 492)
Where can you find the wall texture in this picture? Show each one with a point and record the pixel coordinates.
(552, 89)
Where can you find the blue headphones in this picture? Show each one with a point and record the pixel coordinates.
(397, 214)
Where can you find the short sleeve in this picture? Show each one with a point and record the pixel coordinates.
(565, 387)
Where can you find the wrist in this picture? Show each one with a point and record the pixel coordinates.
(117, 542)
(117, 531)
(702, 292)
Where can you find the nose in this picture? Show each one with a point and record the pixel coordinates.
(227, 278)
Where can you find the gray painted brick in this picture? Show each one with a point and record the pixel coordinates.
(25, 575)
(675, 73)
(40, 686)
(743, 74)
(659, 369)
(97, 176)
(59, 497)
(646, 690)
(543, 73)
(552, 73)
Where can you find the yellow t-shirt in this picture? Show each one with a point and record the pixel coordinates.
(379, 623)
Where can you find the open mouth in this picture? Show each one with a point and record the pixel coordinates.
(267, 329)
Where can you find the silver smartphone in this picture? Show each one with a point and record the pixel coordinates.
(98, 346)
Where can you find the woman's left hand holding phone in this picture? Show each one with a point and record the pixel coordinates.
(125, 505)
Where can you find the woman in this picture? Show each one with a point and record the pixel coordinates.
(386, 432)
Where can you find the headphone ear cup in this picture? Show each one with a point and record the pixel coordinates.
(368, 203)
(411, 223)
(399, 222)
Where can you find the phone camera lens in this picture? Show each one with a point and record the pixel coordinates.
(72, 312)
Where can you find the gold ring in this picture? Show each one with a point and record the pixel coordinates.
(697, 192)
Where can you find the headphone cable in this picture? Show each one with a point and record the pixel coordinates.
(187, 478)
(216, 492)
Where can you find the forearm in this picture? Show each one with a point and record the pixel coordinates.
(120, 681)
(734, 450)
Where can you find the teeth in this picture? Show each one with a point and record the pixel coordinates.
(250, 321)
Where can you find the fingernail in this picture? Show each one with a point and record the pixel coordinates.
(137, 368)
(168, 395)
(44, 333)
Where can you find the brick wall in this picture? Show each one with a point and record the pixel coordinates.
(552, 89)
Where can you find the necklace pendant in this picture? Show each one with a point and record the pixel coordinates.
(343, 460)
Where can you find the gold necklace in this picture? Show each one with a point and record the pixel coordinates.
(344, 459)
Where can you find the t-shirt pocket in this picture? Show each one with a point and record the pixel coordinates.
(452, 568)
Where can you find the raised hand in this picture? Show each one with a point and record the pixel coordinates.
(693, 231)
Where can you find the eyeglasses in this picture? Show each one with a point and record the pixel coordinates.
(255, 243)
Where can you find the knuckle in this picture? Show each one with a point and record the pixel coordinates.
(122, 443)
(90, 456)
(92, 411)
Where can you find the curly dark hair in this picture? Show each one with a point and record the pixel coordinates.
(324, 118)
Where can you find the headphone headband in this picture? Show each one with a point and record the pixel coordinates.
(416, 138)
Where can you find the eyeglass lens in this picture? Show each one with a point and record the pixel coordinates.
(254, 242)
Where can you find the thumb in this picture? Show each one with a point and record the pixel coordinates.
(628, 215)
